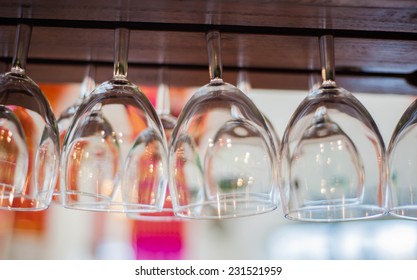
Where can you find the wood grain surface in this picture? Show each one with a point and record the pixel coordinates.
(276, 41)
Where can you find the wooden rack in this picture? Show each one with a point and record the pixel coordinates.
(276, 41)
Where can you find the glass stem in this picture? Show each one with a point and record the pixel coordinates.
(214, 54)
(88, 83)
(163, 106)
(22, 42)
(122, 36)
(314, 81)
(243, 82)
(327, 61)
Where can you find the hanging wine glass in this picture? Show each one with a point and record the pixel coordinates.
(221, 156)
(115, 140)
(332, 154)
(29, 143)
(66, 117)
(402, 162)
(163, 108)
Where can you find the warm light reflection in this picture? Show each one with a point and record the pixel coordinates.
(106, 187)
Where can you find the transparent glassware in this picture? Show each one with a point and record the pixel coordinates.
(115, 152)
(243, 84)
(66, 117)
(402, 166)
(29, 142)
(163, 108)
(221, 154)
(333, 156)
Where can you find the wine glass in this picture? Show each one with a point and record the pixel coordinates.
(401, 158)
(66, 117)
(221, 154)
(332, 155)
(163, 108)
(115, 142)
(29, 142)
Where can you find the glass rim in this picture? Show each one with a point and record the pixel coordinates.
(41, 203)
(299, 214)
(401, 212)
(111, 206)
(166, 215)
(267, 206)
(106, 204)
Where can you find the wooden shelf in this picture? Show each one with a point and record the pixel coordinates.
(276, 41)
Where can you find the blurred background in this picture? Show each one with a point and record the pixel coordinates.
(59, 233)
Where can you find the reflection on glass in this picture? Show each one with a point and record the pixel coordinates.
(332, 156)
(163, 108)
(402, 163)
(115, 141)
(221, 155)
(326, 167)
(66, 117)
(14, 157)
(29, 143)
